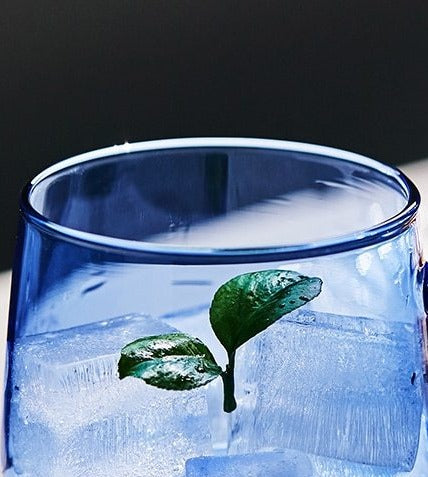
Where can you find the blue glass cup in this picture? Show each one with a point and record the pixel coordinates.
(134, 240)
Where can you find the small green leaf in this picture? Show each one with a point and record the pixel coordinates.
(174, 361)
(241, 308)
(249, 303)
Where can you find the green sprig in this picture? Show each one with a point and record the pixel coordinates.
(241, 308)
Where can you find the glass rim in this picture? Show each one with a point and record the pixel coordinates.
(158, 253)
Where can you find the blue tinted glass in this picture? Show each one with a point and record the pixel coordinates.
(134, 245)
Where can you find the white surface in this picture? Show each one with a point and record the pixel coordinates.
(4, 308)
(418, 173)
(4, 303)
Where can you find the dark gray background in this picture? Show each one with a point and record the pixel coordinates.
(78, 75)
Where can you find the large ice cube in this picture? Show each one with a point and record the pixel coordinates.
(72, 416)
(328, 467)
(338, 386)
(265, 464)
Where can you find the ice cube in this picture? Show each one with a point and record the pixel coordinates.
(337, 386)
(272, 464)
(327, 467)
(72, 416)
(82, 357)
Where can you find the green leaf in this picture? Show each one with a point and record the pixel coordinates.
(249, 303)
(174, 361)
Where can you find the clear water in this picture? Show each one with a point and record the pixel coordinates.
(345, 391)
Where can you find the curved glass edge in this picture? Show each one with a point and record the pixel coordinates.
(167, 254)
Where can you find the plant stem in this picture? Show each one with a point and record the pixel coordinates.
(228, 376)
